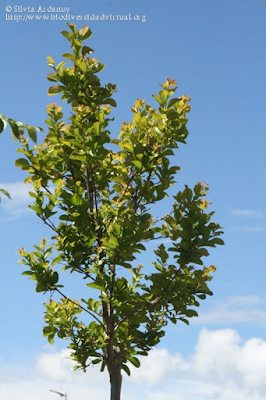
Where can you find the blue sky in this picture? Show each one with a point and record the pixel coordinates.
(216, 53)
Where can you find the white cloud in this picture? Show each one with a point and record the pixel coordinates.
(18, 205)
(40, 389)
(222, 356)
(17, 190)
(57, 367)
(235, 309)
(248, 213)
(215, 352)
(244, 301)
(149, 373)
(223, 366)
(52, 370)
(251, 362)
(252, 214)
(248, 229)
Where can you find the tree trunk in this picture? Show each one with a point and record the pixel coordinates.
(115, 381)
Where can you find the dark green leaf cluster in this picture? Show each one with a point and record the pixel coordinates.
(40, 269)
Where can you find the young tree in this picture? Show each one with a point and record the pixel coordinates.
(98, 201)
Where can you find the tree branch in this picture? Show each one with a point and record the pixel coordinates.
(48, 223)
(94, 192)
(154, 302)
(81, 307)
(89, 194)
(137, 204)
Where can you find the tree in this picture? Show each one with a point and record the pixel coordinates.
(96, 195)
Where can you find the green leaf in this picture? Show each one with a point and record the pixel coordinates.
(5, 193)
(127, 145)
(159, 99)
(95, 285)
(41, 288)
(126, 369)
(96, 361)
(57, 259)
(38, 129)
(71, 57)
(214, 242)
(86, 50)
(85, 32)
(82, 65)
(51, 339)
(219, 241)
(27, 273)
(72, 27)
(55, 89)
(32, 133)
(78, 157)
(191, 313)
(77, 45)
(3, 123)
(60, 66)
(173, 101)
(103, 366)
(201, 296)
(48, 330)
(184, 320)
(22, 163)
(17, 129)
(67, 34)
(137, 163)
(113, 242)
(172, 114)
(76, 200)
(135, 361)
(53, 77)
(110, 101)
(37, 209)
(162, 253)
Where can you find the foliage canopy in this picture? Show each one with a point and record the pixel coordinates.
(96, 194)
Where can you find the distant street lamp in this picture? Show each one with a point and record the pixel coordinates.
(60, 394)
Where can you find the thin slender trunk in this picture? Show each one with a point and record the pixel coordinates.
(115, 382)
